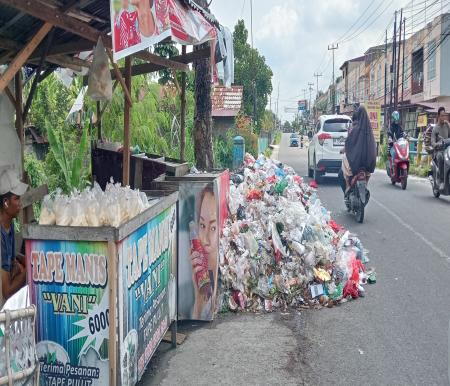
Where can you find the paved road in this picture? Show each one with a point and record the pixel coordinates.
(398, 334)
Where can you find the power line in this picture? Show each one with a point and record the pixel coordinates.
(356, 22)
(359, 32)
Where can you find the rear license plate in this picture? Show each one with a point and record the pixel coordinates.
(339, 141)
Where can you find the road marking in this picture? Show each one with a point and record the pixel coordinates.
(411, 229)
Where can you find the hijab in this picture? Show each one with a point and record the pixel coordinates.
(360, 144)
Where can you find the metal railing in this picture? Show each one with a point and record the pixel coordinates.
(18, 359)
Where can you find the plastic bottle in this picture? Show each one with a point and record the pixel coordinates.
(201, 277)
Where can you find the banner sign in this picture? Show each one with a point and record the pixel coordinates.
(302, 105)
(374, 111)
(138, 24)
(422, 120)
(69, 285)
(145, 260)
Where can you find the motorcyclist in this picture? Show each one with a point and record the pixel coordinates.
(395, 133)
(440, 132)
(360, 148)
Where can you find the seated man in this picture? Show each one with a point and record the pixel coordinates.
(12, 272)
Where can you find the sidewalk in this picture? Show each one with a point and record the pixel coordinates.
(275, 151)
(235, 349)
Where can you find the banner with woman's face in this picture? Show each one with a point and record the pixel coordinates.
(202, 210)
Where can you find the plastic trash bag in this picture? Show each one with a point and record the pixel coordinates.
(99, 81)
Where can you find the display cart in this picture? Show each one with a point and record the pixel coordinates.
(106, 296)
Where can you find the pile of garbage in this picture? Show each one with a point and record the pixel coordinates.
(280, 248)
(93, 207)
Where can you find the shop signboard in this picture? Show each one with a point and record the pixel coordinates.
(374, 111)
(70, 285)
(146, 259)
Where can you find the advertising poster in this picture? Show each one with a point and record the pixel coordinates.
(374, 111)
(145, 263)
(139, 24)
(203, 211)
(69, 285)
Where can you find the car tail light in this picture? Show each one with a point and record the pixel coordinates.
(322, 137)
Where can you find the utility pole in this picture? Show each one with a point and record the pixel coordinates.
(332, 48)
(278, 102)
(310, 91)
(385, 81)
(392, 69)
(317, 83)
(403, 65)
(398, 59)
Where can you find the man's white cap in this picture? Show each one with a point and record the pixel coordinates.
(9, 183)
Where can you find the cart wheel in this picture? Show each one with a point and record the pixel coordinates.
(436, 193)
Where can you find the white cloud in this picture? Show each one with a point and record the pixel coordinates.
(280, 22)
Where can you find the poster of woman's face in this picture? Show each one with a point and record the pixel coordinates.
(198, 250)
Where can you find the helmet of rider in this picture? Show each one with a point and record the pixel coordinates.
(396, 116)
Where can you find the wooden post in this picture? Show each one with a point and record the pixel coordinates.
(99, 121)
(19, 113)
(23, 55)
(112, 282)
(126, 125)
(183, 113)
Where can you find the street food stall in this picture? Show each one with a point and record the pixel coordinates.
(103, 296)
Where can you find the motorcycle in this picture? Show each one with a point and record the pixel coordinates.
(398, 171)
(434, 179)
(358, 196)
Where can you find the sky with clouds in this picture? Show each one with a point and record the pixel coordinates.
(293, 35)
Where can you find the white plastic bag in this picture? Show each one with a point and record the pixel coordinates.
(47, 216)
(100, 82)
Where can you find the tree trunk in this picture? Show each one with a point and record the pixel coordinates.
(203, 145)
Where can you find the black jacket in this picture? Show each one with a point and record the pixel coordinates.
(395, 131)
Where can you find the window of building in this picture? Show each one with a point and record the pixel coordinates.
(431, 60)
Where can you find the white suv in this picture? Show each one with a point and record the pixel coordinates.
(324, 152)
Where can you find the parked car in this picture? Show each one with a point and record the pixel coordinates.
(326, 142)
(294, 140)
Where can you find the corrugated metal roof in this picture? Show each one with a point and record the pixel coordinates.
(226, 102)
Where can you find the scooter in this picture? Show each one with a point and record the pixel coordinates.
(398, 171)
(358, 196)
(434, 179)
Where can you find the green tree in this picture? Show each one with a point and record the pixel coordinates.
(166, 50)
(268, 121)
(252, 72)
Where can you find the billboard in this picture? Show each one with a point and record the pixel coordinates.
(374, 112)
(302, 105)
(139, 24)
(146, 259)
(69, 284)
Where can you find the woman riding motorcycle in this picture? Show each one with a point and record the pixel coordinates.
(360, 148)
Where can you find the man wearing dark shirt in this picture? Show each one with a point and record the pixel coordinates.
(12, 272)
(440, 132)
